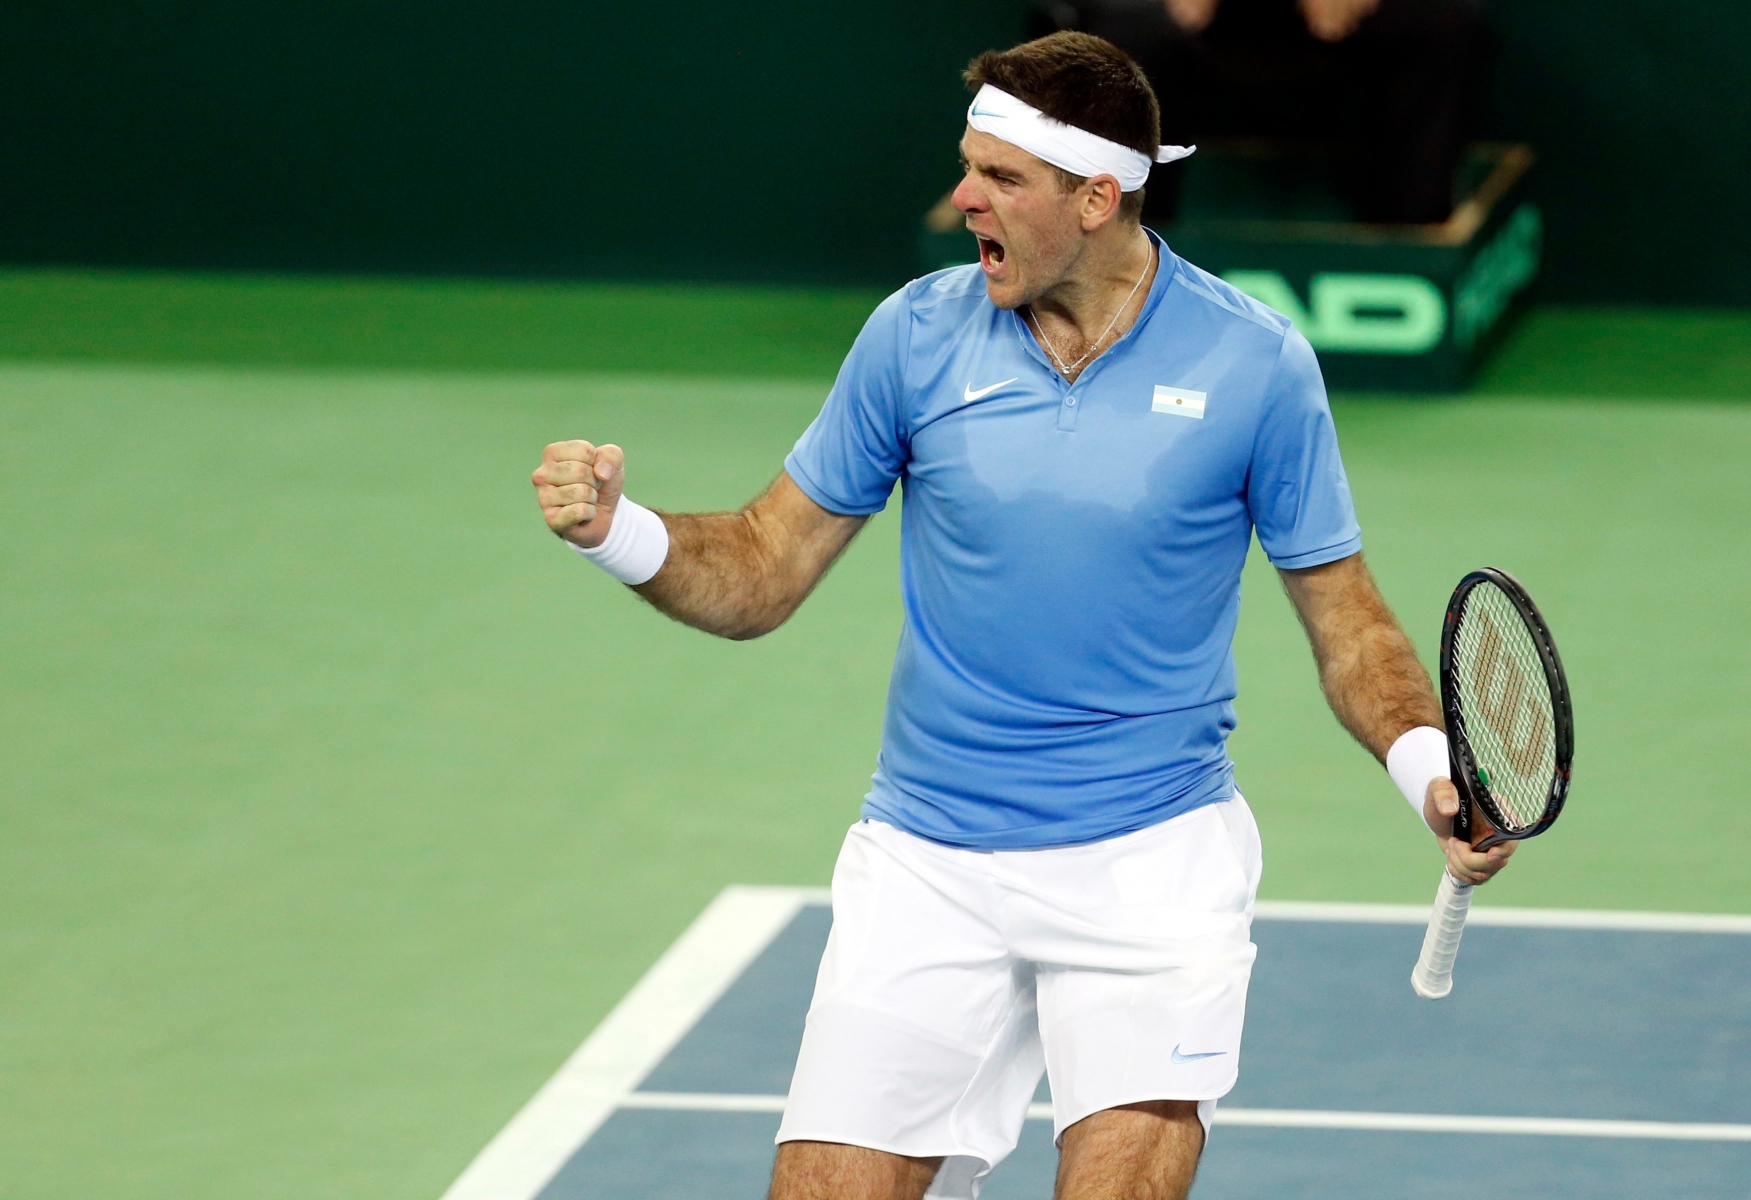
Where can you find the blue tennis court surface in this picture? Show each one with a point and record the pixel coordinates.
(1642, 1031)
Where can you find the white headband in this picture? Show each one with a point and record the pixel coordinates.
(1075, 150)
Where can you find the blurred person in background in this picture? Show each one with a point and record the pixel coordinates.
(1390, 86)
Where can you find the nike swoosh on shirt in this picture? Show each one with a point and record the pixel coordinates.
(970, 395)
(1186, 1058)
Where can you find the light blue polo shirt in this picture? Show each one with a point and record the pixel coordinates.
(1070, 554)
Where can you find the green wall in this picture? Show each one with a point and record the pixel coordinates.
(787, 139)
(781, 141)
(1641, 113)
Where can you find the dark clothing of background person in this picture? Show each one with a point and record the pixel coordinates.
(1394, 99)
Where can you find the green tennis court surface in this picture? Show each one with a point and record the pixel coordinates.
(340, 803)
(1615, 1086)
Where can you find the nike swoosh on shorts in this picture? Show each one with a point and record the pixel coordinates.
(969, 395)
(1186, 1058)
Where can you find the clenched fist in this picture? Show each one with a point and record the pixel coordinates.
(578, 486)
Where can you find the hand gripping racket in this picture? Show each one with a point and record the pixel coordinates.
(1510, 741)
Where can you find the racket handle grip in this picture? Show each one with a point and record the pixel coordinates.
(1433, 977)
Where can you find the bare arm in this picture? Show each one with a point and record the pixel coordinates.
(734, 574)
(1367, 665)
(742, 574)
(1377, 687)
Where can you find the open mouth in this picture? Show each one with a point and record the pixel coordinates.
(990, 254)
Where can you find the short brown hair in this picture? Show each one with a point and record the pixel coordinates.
(1081, 80)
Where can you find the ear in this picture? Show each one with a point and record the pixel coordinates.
(1100, 202)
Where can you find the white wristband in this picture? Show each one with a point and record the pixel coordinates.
(1416, 759)
(636, 545)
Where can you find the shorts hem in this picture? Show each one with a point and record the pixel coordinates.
(1141, 1097)
(864, 1143)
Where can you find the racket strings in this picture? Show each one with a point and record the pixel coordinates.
(1505, 705)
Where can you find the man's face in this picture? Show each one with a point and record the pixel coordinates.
(1029, 229)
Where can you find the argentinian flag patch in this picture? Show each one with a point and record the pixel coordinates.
(1181, 402)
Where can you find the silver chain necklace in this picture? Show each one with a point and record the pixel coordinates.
(1094, 345)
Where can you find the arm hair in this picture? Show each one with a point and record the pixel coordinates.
(741, 574)
(1367, 666)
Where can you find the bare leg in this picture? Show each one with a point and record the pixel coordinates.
(830, 1171)
(1135, 1152)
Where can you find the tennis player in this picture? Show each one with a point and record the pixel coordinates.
(1054, 871)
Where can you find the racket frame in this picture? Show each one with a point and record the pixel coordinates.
(1477, 807)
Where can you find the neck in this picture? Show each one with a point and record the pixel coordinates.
(1085, 299)
(1096, 303)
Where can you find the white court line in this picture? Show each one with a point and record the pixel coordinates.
(630, 1041)
(733, 930)
(703, 1102)
(1296, 1118)
(1418, 914)
(1525, 918)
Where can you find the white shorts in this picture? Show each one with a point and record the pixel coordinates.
(953, 978)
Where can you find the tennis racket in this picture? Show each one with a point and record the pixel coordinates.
(1510, 741)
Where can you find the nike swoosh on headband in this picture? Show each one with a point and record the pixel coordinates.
(1186, 1058)
(969, 395)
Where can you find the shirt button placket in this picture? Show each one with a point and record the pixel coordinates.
(1067, 413)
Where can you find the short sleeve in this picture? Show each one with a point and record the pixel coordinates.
(1297, 491)
(849, 457)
